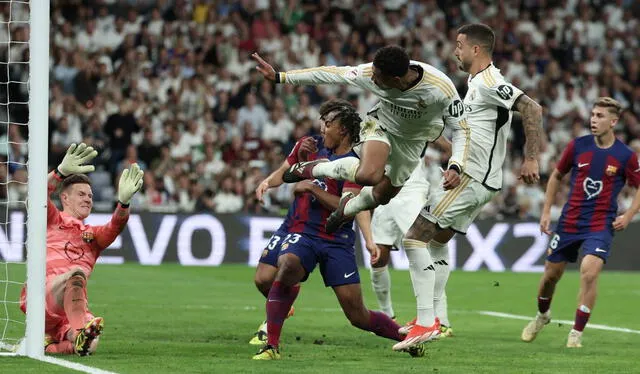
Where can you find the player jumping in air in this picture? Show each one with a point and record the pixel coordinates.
(416, 101)
(302, 241)
(600, 165)
(73, 249)
(489, 104)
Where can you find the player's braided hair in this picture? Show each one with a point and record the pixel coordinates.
(392, 60)
(346, 113)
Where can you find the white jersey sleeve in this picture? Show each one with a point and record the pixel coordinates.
(456, 120)
(359, 76)
(500, 93)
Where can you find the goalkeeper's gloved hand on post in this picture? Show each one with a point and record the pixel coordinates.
(130, 183)
(76, 158)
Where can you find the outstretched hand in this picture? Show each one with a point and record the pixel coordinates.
(130, 183)
(75, 159)
(264, 67)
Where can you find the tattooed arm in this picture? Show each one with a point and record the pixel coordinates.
(532, 123)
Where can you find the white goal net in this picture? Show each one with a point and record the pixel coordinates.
(23, 164)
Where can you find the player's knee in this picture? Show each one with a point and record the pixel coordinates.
(77, 279)
(589, 277)
(288, 265)
(369, 177)
(262, 283)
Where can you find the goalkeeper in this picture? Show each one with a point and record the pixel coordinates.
(73, 249)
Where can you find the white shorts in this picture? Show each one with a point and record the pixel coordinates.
(404, 155)
(392, 221)
(457, 208)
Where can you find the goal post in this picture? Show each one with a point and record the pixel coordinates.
(38, 126)
(24, 105)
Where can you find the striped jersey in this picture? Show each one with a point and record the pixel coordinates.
(417, 113)
(488, 104)
(597, 176)
(306, 214)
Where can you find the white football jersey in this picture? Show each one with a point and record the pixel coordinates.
(418, 113)
(488, 105)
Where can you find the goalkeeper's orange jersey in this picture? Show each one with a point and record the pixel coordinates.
(72, 244)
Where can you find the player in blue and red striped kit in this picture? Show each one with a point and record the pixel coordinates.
(302, 242)
(600, 165)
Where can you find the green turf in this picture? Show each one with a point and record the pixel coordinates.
(173, 319)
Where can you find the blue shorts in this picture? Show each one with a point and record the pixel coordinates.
(337, 261)
(564, 247)
(270, 252)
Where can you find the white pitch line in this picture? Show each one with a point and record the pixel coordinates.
(73, 365)
(562, 321)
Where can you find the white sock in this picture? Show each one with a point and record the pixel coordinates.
(423, 278)
(363, 201)
(381, 282)
(441, 308)
(342, 169)
(440, 256)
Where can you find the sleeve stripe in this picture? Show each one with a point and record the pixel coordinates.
(440, 83)
(488, 78)
(326, 69)
(467, 134)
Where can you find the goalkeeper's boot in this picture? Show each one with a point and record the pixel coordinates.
(534, 327)
(301, 171)
(338, 218)
(418, 335)
(87, 335)
(574, 340)
(260, 337)
(404, 330)
(446, 331)
(268, 352)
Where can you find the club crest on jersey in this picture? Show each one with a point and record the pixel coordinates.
(422, 104)
(88, 236)
(456, 108)
(504, 91)
(265, 253)
(284, 246)
(592, 188)
(611, 170)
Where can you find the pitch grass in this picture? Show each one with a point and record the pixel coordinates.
(172, 319)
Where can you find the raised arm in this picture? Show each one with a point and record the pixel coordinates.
(73, 163)
(130, 183)
(532, 122)
(359, 76)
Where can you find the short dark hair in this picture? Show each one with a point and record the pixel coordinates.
(612, 105)
(74, 179)
(392, 61)
(480, 34)
(346, 113)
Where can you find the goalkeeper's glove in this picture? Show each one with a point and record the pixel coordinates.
(73, 162)
(130, 183)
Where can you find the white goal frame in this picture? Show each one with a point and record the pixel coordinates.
(38, 124)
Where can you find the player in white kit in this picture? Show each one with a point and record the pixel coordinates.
(489, 103)
(416, 101)
(389, 225)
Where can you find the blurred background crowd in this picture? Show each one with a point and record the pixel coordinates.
(169, 84)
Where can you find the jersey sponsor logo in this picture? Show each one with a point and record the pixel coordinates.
(592, 188)
(456, 108)
(505, 91)
(611, 170)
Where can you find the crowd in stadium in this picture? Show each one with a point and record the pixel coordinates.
(170, 85)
